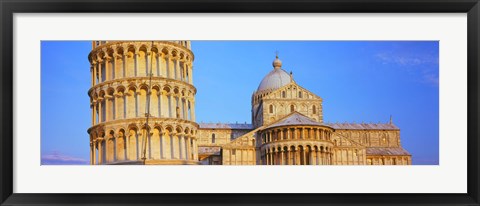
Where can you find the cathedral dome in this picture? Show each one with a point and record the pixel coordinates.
(275, 79)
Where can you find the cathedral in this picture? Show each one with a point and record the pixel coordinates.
(142, 100)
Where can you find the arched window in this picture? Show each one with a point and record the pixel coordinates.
(213, 138)
(189, 111)
(112, 102)
(300, 94)
(104, 152)
(314, 109)
(157, 64)
(104, 71)
(284, 95)
(182, 73)
(292, 108)
(167, 67)
(104, 111)
(175, 69)
(186, 71)
(96, 116)
(271, 109)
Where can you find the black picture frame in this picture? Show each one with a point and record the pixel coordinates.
(10, 7)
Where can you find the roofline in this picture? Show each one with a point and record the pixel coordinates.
(292, 113)
(372, 129)
(217, 128)
(292, 82)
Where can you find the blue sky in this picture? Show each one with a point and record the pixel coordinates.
(364, 81)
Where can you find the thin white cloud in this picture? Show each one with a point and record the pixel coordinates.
(405, 60)
(56, 158)
(415, 64)
(430, 78)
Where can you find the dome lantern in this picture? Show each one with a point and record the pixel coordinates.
(277, 63)
(276, 78)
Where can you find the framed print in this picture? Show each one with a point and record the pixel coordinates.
(254, 103)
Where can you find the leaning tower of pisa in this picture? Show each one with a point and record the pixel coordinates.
(135, 80)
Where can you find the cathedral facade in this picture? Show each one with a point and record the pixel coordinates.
(143, 112)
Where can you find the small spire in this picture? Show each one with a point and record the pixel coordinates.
(391, 119)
